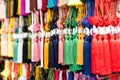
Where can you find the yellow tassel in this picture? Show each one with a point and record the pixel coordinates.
(49, 19)
(80, 44)
(20, 69)
(10, 39)
(37, 72)
(19, 7)
(46, 53)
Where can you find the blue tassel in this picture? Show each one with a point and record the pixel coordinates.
(86, 56)
(87, 42)
(71, 76)
(51, 53)
(55, 41)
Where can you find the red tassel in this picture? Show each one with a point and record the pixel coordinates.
(107, 63)
(94, 56)
(117, 52)
(101, 59)
(112, 53)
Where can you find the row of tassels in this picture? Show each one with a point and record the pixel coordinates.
(105, 42)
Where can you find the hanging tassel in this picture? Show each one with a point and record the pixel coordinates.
(37, 73)
(20, 69)
(71, 76)
(60, 50)
(29, 48)
(45, 73)
(10, 69)
(118, 51)
(86, 56)
(106, 57)
(4, 39)
(25, 50)
(46, 53)
(101, 58)
(64, 75)
(95, 66)
(15, 50)
(76, 76)
(55, 41)
(28, 71)
(51, 54)
(70, 53)
(32, 77)
(57, 72)
(39, 46)
(79, 59)
(20, 52)
(51, 74)
(112, 54)
(16, 70)
(60, 75)
(66, 50)
(10, 39)
(74, 66)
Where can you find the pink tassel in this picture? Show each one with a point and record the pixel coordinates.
(60, 50)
